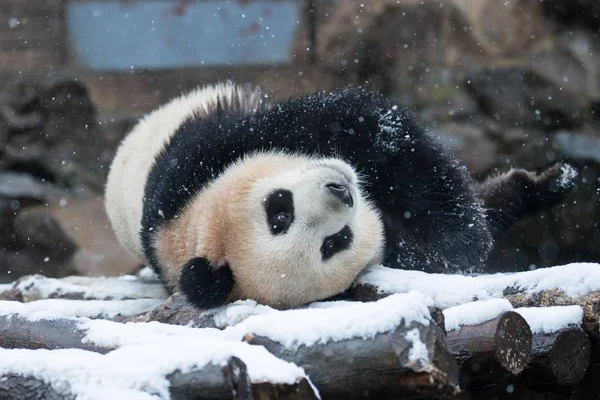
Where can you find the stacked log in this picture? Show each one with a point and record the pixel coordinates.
(481, 358)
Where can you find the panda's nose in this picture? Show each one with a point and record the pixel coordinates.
(341, 192)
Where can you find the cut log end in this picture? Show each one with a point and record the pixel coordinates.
(491, 352)
(512, 342)
(559, 358)
(570, 356)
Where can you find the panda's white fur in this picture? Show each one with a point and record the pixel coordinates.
(225, 223)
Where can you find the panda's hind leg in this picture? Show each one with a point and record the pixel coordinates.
(517, 193)
(205, 286)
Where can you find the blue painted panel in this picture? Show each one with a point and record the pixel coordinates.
(117, 34)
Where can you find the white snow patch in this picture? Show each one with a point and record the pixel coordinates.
(449, 290)
(145, 354)
(474, 313)
(568, 175)
(37, 286)
(147, 274)
(418, 353)
(551, 319)
(138, 371)
(330, 304)
(5, 286)
(55, 308)
(206, 345)
(233, 314)
(293, 328)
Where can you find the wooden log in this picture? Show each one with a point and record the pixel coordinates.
(211, 382)
(217, 382)
(38, 287)
(176, 310)
(11, 295)
(491, 352)
(17, 332)
(232, 382)
(558, 358)
(371, 287)
(380, 367)
(15, 387)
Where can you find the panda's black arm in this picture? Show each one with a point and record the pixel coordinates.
(515, 194)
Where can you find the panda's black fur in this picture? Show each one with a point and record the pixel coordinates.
(436, 217)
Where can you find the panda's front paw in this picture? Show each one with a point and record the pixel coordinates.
(205, 286)
(551, 186)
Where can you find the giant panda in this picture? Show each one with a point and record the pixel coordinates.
(228, 195)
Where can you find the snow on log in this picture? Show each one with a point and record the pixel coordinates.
(572, 284)
(374, 352)
(226, 380)
(104, 359)
(573, 281)
(349, 354)
(561, 351)
(36, 287)
(84, 308)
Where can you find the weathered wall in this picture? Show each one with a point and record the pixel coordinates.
(32, 34)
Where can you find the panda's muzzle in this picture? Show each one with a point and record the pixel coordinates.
(342, 193)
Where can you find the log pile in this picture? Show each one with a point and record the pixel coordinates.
(525, 351)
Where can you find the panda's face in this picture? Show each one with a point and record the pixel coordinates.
(311, 233)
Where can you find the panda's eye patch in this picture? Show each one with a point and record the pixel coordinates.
(279, 206)
(337, 242)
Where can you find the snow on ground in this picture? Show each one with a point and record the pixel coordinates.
(474, 313)
(128, 287)
(5, 286)
(450, 290)
(83, 308)
(293, 328)
(551, 319)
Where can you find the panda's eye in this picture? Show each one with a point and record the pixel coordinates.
(282, 217)
(279, 207)
(330, 244)
(337, 242)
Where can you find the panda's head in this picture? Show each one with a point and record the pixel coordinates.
(302, 231)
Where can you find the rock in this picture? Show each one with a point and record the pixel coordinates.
(41, 245)
(85, 223)
(516, 97)
(22, 187)
(418, 50)
(574, 12)
(394, 46)
(469, 144)
(582, 45)
(506, 27)
(449, 104)
(16, 262)
(566, 72)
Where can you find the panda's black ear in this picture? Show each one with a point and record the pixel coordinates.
(203, 285)
(518, 193)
